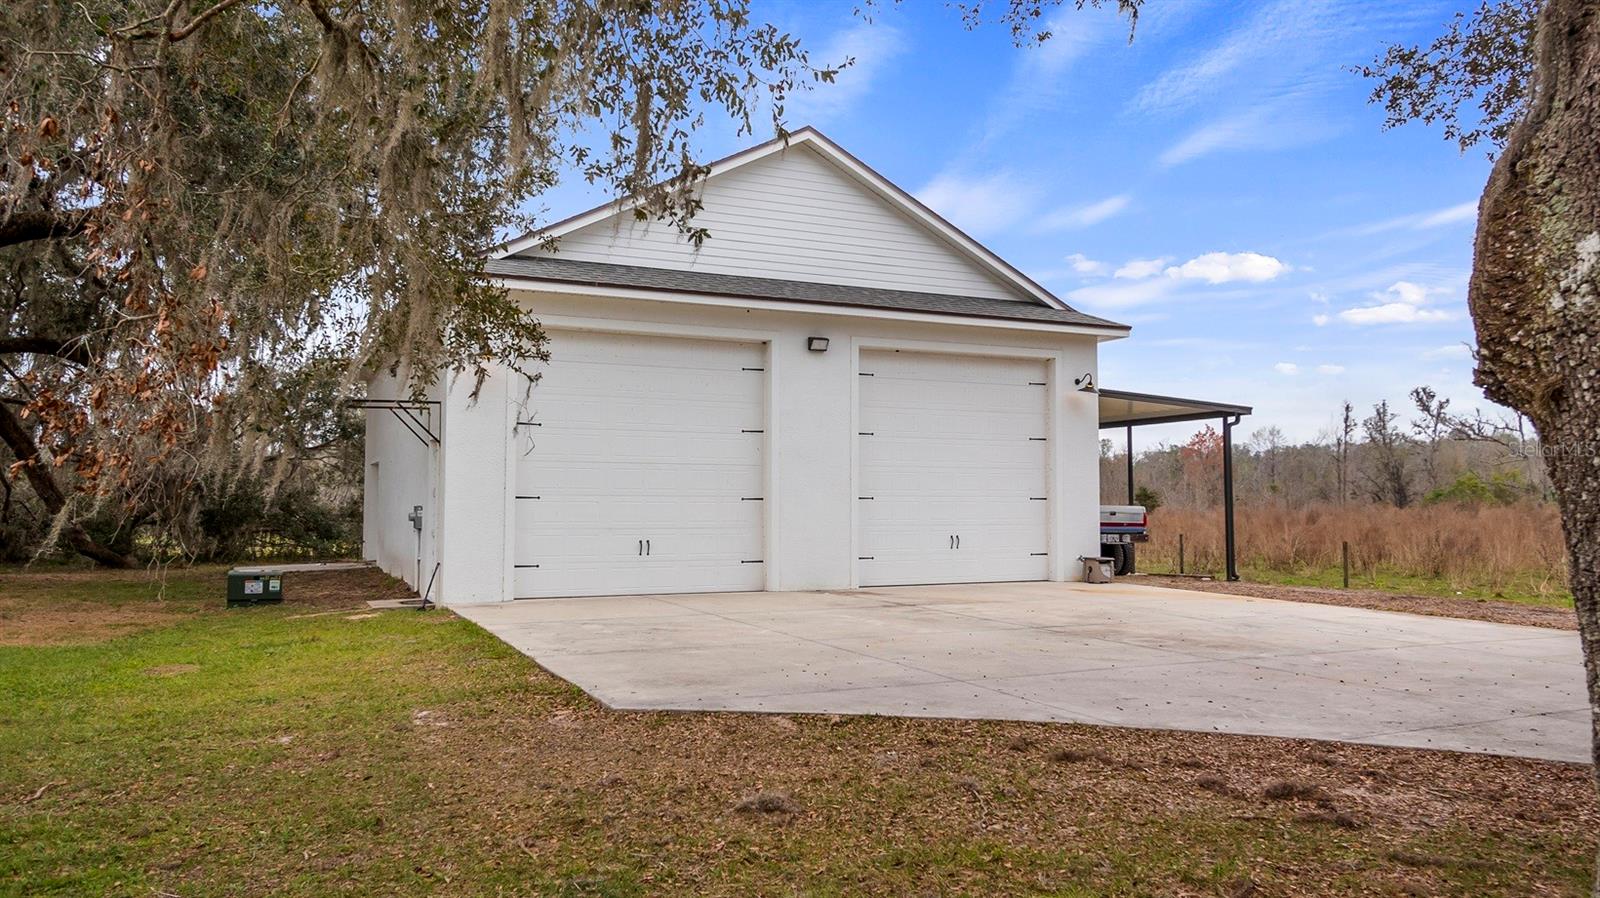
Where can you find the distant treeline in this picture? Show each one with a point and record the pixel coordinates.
(1427, 455)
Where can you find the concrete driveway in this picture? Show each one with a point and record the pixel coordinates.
(1129, 655)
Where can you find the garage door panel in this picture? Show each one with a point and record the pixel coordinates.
(942, 567)
(629, 438)
(956, 513)
(952, 447)
(914, 366)
(1013, 459)
(577, 578)
(644, 514)
(547, 546)
(925, 420)
(673, 402)
(726, 465)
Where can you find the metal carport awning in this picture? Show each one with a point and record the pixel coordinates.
(1120, 408)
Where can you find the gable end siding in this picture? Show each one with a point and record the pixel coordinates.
(793, 216)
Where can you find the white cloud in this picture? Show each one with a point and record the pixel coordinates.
(1038, 80)
(1138, 282)
(1410, 293)
(1085, 215)
(1222, 134)
(1141, 268)
(1082, 264)
(871, 46)
(1330, 369)
(1420, 221)
(1257, 43)
(1274, 125)
(1452, 215)
(1402, 303)
(1289, 368)
(1123, 295)
(1393, 313)
(1320, 320)
(986, 203)
(1453, 351)
(1221, 268)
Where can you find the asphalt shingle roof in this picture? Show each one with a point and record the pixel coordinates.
(602, 274)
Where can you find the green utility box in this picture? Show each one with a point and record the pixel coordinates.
(254, 586)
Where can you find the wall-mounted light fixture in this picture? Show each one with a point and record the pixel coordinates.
(1085, 384)
(817, 344)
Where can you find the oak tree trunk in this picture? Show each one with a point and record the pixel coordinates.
(1535, 291)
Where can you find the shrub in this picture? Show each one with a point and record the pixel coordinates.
(1149, 498)
(1469, 489)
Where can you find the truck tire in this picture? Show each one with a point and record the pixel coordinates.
(1123, 555)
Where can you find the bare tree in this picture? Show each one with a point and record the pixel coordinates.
(1342, 442)
(1267, 443)
(1388, 454)
(1431, 430)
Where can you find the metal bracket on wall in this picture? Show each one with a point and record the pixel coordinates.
(403, 409)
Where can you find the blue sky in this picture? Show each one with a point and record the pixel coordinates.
(1221, 184)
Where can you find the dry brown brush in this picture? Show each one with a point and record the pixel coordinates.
(1478, 548)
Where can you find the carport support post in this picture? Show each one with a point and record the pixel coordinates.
(1227, 494)
(1130, 464)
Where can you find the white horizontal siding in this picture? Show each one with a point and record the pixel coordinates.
(794, 216)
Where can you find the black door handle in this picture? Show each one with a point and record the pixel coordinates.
(958, 540)
(641, 547)
(647, 547)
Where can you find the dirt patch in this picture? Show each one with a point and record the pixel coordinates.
(342, 589)
(78, 622)
(57, 607)
(1433, 606)
(1343, 808)
(768, 803)
(1292, 790)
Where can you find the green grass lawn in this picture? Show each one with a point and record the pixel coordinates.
(309, 750)
(1526, 589)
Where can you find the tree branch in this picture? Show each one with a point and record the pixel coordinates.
(179, 34)
(68, 350)
(20, 441)
(25, 227)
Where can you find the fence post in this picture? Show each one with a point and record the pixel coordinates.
(1180, 553)
(1345, 550)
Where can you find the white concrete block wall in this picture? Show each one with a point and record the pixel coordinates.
(475, 502)
(400, 473)
(812, 434)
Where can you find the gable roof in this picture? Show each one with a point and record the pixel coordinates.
(948, 234)
(552, 269)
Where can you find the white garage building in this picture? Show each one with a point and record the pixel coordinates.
(837, 389)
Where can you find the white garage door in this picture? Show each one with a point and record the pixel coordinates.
(953, 474)
(641, 468)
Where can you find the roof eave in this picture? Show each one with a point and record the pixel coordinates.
(1108, 331)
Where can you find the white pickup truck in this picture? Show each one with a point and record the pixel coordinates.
(1120, 527)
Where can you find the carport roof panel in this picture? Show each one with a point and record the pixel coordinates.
(1120, 408)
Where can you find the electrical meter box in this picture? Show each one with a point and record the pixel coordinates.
(254, 586)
